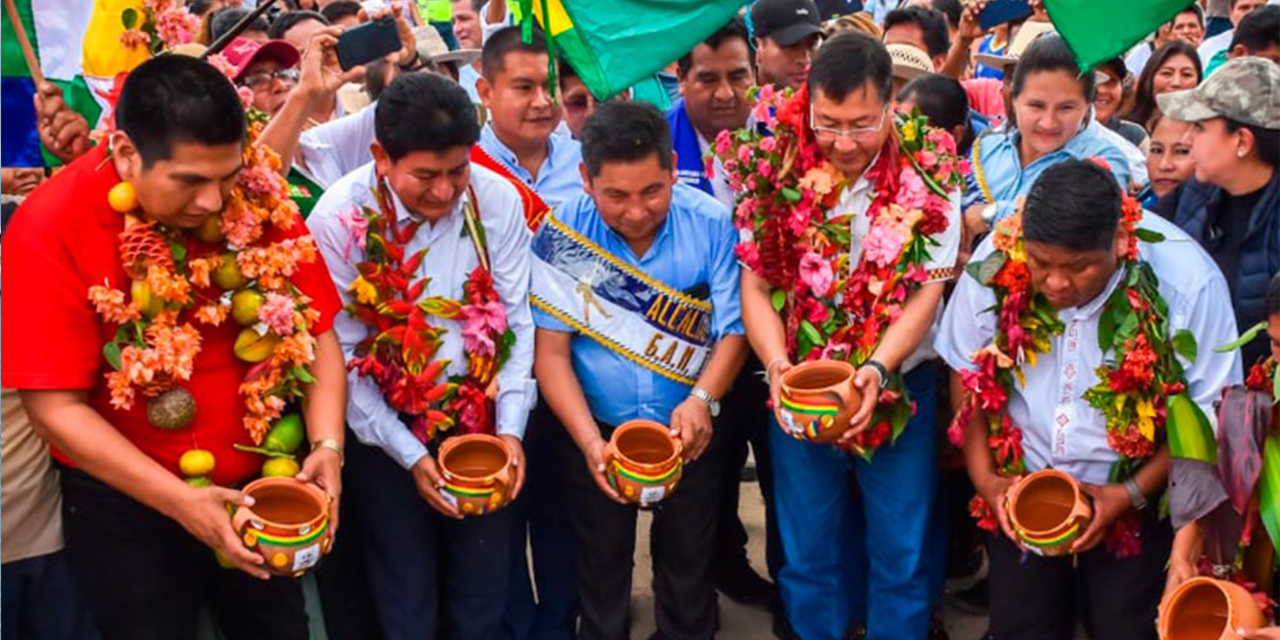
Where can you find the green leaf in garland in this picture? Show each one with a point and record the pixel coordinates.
(129, 18)
(990, 266)
(1184, 342)
(1269, 487)
(1275, 385)
(111, 351)
(1106, 331)
(811, 333)
(1245, 338)
(1190, 435)
(790, 194)
(1128, 327)
(300, 372)
(1148, 236)
(778, 299)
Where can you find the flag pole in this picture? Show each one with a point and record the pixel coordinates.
(221, 43)
(33, 63)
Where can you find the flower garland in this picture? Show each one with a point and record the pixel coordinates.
(156, 340)
(399, 354)
(1140, 389)
(160, 25)
(833, 308)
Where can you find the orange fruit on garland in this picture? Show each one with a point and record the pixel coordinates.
(122, 198)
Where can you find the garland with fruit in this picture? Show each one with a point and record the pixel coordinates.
(1141, 390)
(239, 273)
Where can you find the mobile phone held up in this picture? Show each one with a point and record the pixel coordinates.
(998, 12)
(368, 42)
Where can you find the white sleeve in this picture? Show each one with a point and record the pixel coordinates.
(509, 254)
(945, 254)
(338, 147)
(967, 324)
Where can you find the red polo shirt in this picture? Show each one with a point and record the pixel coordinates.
(63, 240)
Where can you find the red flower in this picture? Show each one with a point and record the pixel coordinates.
(983, 514)
(1124, 538)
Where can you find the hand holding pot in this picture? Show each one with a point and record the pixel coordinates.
(595, 458)
(867, 382)
(691, 423)
(1110, 501)
(993, 491)
(203, 513)
(430, 483)
(517, 463)
(323, 468)
(774, 375)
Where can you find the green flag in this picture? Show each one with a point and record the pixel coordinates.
(1099, 30)
(613, 45)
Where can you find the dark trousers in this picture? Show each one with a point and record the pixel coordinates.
(145, 577)
(542, 521)
(1036, 598)
(342, 580)
(42, 601)
(746, 421)
(421, 563)
(681, 541)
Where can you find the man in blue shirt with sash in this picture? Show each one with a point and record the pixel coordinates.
(637, 305)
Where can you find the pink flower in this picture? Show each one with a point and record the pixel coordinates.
(912, 192)
(357, 227)
(277, 313)
(745, 210)
(882, 246)
(767, 94)
(176, 26)
(262, 180)
(768, 144)
(723, 140)
(964, 167)
(709, 165)
(761, 112)
(744, 154)
(484, 321)
(764, 168)
(134, 38)
(926, 158)
(749, 254)
(942, 141)
(815, 271)
(220, 62)
(246, 96)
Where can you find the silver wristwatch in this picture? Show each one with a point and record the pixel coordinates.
(988, 214)
(712, 403)
(1136, 498)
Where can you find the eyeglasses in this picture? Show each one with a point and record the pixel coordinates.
(264, 79)
(831, 133)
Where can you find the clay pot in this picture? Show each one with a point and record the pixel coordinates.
(817, 400)
(288, 524)
(642, 461)
(1208, 609)
(478, 473)
(1048, 511)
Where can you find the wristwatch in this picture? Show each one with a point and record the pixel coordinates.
(988, 214)
(1136, 498)
(880, 369)
(712, 403)
(332, 445)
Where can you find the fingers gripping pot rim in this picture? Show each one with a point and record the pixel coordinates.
(642, 462)
(1048, 511)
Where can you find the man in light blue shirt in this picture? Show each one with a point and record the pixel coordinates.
(523, 117)
(636, 297)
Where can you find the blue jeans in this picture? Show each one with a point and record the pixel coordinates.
(849, 560)
(42, 600)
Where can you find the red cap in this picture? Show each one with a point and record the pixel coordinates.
(243, 52)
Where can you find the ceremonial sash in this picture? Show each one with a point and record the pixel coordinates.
(622, 308)
(535, 210)
(684, 141)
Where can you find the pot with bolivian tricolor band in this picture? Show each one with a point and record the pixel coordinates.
(642, 461)
(817, 399)
(478, 473)
(288, 524)
(1048, 511)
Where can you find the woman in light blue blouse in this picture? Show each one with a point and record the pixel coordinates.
(1051, 121)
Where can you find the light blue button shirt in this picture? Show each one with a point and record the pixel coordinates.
(1000, 166)
(694, 253)
(559, 178)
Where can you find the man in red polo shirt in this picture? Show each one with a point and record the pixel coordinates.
(137, 535)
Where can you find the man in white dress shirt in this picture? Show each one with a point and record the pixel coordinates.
(1073, 243)
(417, 547)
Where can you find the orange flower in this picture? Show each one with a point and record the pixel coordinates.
(297, 349)
(1007, 233)
(168, 285)
(212, 314)
(110, 304)
(200, 269)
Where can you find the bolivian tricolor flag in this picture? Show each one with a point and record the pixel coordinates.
(78, 45)
(614, 44)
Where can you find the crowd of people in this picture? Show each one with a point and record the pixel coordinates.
(1028, 264)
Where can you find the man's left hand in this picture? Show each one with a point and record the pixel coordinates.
(691, 423)
(517, 462)
(867, 382)
(1110, 501)
(323, 468)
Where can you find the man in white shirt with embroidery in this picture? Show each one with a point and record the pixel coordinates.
(1074, 243)
(425, 128)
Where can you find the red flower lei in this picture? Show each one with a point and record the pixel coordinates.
(831, 309)
(1135, 387)
(154, 352)
(400, 353)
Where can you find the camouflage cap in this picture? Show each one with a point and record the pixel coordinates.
(1243, 89)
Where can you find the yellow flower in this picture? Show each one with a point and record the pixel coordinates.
(909, 131)
(1146, 423)
(365, 292)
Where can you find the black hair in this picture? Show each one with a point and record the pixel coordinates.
(1144, 102)
(734, 28)
(945, 102)
(342, 9)
(290, 19)
(933, 26)
(375, 78)
(493, 56)
(1050, 53)
(1266, 141)
(951, 9)
(174, 99)
(848, 62)
(476, 5)
(1074, 204)
(1191, 8)
(565, 71)
(200, 7)
(223, 19)
(1273, 295)
(1258, 29)
(424, 112)
(625, 132)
